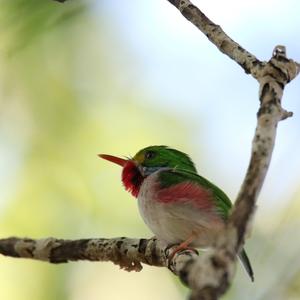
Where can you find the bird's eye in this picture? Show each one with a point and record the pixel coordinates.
(149, 154)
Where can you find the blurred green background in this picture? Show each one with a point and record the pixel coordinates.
(88, 77)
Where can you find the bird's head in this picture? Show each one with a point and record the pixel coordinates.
(148, 161)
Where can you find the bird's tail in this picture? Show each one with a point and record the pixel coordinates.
(246, 263)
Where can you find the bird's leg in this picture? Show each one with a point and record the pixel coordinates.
(183, 246)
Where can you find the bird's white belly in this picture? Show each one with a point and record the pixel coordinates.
(174, 222)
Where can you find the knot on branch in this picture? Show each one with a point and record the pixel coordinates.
(280, 68)
(273, 77)
(287, 69)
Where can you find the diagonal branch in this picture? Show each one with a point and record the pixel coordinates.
(218, 37)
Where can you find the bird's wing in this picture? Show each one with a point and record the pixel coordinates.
(173, 177)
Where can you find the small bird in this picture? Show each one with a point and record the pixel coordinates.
(176, 203)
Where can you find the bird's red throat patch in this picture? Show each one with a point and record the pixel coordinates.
(132, 178)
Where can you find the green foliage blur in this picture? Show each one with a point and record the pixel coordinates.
(62, 102)
(63, 99)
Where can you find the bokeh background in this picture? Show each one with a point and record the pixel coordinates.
(88, 77)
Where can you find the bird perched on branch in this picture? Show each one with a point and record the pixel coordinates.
(178, 205)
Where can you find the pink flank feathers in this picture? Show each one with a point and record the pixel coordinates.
(187, 192)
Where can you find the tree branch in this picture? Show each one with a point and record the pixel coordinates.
(272, 77)
(218, 37)
(128, 253)
(209, 275)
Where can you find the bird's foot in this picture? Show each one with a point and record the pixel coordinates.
(179, 249)
(183, 246)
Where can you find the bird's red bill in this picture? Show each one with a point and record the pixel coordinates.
(114, 159)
